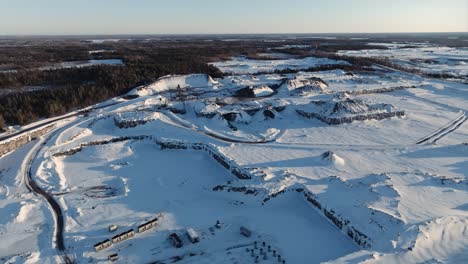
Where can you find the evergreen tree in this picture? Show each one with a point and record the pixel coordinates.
(2, 123)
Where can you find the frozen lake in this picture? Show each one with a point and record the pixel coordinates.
(80, 64)
(75, 64)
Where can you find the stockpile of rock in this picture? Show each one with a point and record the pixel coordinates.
(345, 110)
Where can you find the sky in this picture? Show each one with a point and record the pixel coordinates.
(64, 17)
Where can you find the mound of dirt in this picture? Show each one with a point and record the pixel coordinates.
(344, 109)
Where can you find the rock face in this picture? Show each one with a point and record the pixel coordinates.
(229, 164)
(251, 116)
(241, 113)
(346, 110)
(269, 114)
(236, 117)
(129, 120)
(254, 92)
(247, 92)
(206, 109)
(335, 218)
(263, 91)
(226, 162)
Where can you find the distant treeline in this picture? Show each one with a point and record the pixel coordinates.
(73, 88)
(58, 91)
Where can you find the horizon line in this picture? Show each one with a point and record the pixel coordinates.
(227, 34)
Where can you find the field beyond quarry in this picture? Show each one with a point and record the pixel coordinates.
(321, 163)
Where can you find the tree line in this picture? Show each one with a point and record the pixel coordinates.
(58, 91)
(67, 89)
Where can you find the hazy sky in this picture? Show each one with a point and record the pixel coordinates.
(230, 16)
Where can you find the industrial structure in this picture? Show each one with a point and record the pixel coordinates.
(123, 236)
(175, 240)
(102, 245)
(192, 235)
(148, 225)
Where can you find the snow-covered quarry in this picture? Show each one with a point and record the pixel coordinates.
(306, 167)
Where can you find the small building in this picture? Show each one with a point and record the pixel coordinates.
(113, 257)
(246, 232)
(192, 235)
(102, 245)
(113, 228)
(175, 240)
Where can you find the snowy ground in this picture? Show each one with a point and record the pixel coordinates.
(400, 181)
(423, 56)
(242, 65)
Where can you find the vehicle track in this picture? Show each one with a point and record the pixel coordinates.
(451, 130)
(166, 118)
(443, 131)
(32, 186)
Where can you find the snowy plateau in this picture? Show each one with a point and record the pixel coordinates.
(256, 167)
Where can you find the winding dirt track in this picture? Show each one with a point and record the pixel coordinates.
(32, 186)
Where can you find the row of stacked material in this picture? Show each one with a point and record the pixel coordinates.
(125, 235)
(222, 159)
(226, 162)
(148, 225)
(15, 143)
(339, 221)
(346, 110)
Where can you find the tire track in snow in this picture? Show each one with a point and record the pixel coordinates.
(443, 131)
(451, 130)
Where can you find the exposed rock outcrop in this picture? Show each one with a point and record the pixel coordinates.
(346, 110)
(308, 85)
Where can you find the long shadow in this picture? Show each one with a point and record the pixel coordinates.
(454, 151)
(462, 207)
(432, 102)
(439, 152)
(8, 210)
(299, 162)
